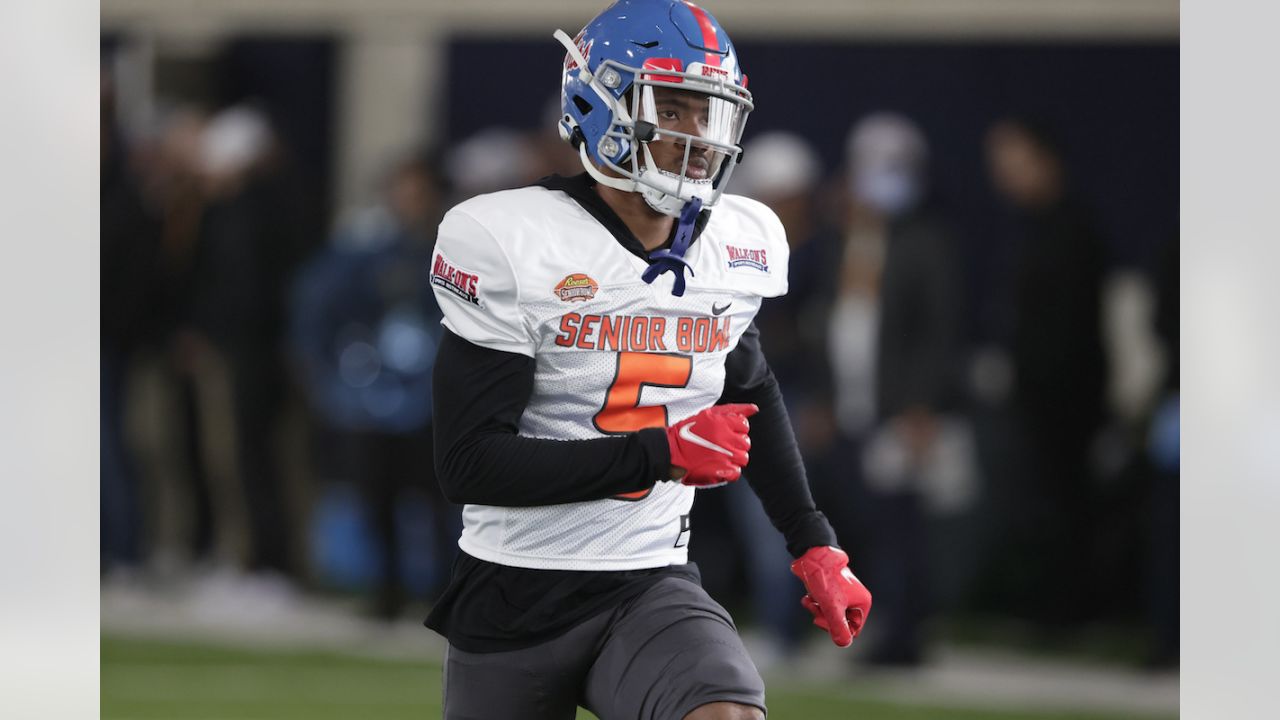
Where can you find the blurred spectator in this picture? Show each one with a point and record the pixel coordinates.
(129, 254)
(496, 158)
(782, 170)
(175, 187)
(365, 328)
(1059, 372)
(890, 301)
(917, 451)
(838, 336)
(247, 249)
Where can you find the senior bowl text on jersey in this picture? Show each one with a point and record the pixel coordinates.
(643, 333)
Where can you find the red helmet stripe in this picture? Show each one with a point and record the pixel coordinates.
(709, 38)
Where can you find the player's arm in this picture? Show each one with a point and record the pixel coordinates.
(776, 471)
(479, 396)
(838, 601)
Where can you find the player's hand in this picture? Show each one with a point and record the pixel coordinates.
(839, 602)
(710, 447)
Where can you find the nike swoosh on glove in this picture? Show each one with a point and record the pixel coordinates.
(711, 446)
(839, 602)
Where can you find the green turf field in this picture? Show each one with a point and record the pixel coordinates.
(148, 680)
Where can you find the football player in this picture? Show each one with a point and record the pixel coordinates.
(600, 366)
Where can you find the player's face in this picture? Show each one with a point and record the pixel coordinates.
(694, 114)
(685, 112)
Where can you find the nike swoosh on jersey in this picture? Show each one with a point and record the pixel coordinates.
(719, 310)
(686, 433)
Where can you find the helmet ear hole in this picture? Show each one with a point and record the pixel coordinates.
(583, 106)
(570, 132)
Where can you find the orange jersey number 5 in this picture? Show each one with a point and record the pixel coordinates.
(622, 411)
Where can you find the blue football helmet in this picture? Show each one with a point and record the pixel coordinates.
(607, 100)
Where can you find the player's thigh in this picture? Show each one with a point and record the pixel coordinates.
(672, 650)
(537, 683)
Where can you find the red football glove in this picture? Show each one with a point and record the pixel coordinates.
(711, 446)
(839, 602)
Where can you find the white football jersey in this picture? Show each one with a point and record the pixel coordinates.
(530, 271)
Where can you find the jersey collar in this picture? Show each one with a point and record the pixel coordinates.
(581, 189)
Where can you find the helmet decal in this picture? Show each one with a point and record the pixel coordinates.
(571, 61)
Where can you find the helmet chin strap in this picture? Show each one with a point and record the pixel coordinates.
(673, 260)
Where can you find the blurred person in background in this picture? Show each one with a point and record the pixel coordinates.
(839, 329)
(782, 170)
(365, 328)
(1059, 373)
(895, 333)
(496, 158)
(130, 249)
(246, 251)
(175, 187)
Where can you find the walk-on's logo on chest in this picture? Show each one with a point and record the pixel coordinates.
(753, 258)
(578, 287)
(465, 285)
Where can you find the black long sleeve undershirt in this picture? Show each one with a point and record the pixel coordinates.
(776, 471)
(479, 396)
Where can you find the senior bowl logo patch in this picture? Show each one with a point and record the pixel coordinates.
(748, 258)
(578, 287)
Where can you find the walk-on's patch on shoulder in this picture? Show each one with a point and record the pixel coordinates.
(447, 275)
(747, 258)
